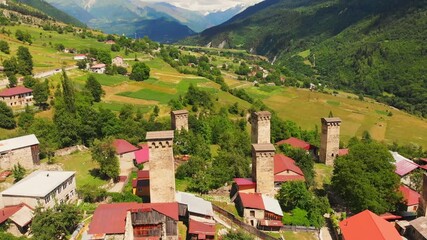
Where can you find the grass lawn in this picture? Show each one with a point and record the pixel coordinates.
(149, 94)
(106, 80)
(299, 235)
(323, 174)
(82, 163)
(181, 184)
(117, 106)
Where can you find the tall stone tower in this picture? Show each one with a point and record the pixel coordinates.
(260, 122)
(263, 167)
(330, 140)
(179, 120)
(422, 210)
(162, 169)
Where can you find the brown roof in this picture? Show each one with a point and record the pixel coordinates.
(179, 112)
(15, 91)
(262, 113)
(331, 120)
(160, 135)
(264, 147)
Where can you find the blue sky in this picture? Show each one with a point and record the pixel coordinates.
(206, 5)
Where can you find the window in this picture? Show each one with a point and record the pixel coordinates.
(64, 185)
(47, 199)
(252, 213)
(59, 189)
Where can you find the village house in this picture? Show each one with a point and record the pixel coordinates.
(42, 188)
(141, 185)
(286, 170)
(411, 199)
(298, 143)
(142, 156)
(119, 62)
(260, 211)
(16, 219)
(405, 168)
(125, 151)
(17, 96)
(79, 57)
(98, 68)
(134, 221)
(367, 225)
(23, 150)
(197, 214)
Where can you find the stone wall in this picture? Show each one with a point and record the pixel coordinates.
(69, 150)
(179, 120)
(260, 125)
(252, 219)
(20, 100)
(263, 168)
(330, 140)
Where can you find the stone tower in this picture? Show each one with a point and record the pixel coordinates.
(330, 140)
(162, 169)
(179, 120)
(260, 122)
(422, 210)
(263, 167)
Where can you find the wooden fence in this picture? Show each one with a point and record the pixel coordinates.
(241, 224)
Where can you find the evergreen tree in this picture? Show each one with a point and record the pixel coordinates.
(25, 61)
(10, 66)
(68, 93)
(29, 81)
(13, 81)
(6, 117)
(26, 118)
(18, 172)
(41, 93)
(4, 47)
(95, 88)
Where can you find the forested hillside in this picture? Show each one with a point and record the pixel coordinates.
(374, 48)
(52, 12)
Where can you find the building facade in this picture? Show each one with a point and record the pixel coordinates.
(179, 120)
(263, 168)
(23, 150)
(17, 96)
(260, 127)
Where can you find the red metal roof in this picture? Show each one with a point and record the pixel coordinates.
(410, 196)
(252, 200)
(343, 152)
(404, 167)
(7, 212)
(15, 91)
(271, 223)
(111, 218)
(283, 163)
(368, 225)
(143, 174)
(390, 217)
(244, 182)
(423, 159)
(196, 227)
(296, 143)
(122, 146)
(142, 155)
(96, 66)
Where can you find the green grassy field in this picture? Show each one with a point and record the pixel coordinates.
(82, 163)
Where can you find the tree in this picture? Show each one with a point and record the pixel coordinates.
(25, 61)
(18, 172)
(237, 235)
(140, 72)
(95, 88)
(41, 93)
(365, 178)
(26, 118)
(6, 117)
(56, 222)
(104, 153)
(13, 81)
(294, 195)
(29, 81)
(68, 93)
(92, 194)
(10, 66)
(4, 47)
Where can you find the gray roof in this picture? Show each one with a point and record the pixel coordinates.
(195, 204)
(264, 147)
(23, 216)
(38, 184)
(262, 113)
(420, 225)
(272, 205)
(18, 142)
(159, 135)
(330, 120)
(397, 157)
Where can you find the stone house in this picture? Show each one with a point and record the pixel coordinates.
(411, 199)
(259, 211)
(405, 168)
(98, 68)
(128, 221)
(125, 151)
(417, 229)
(79, 57)
(23, 150)
(45, 188)
(119, 62)
(285, 170)
(17, 96)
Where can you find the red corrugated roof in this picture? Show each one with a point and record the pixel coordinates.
(252, 200)
(196, 227)
(296, 143)
(122, 146)
(404, 167)
(7, 212)
(368, 225)
(283, 163)
(15, 91)
(410, 196)
(111, 218)
(96, 66)
(143, 174)
(343, 152)
(142, 155)
(244, 182)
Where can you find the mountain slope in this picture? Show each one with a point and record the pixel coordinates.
(52, 12)
(376, 48)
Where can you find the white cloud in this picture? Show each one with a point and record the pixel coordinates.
(207, 5)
